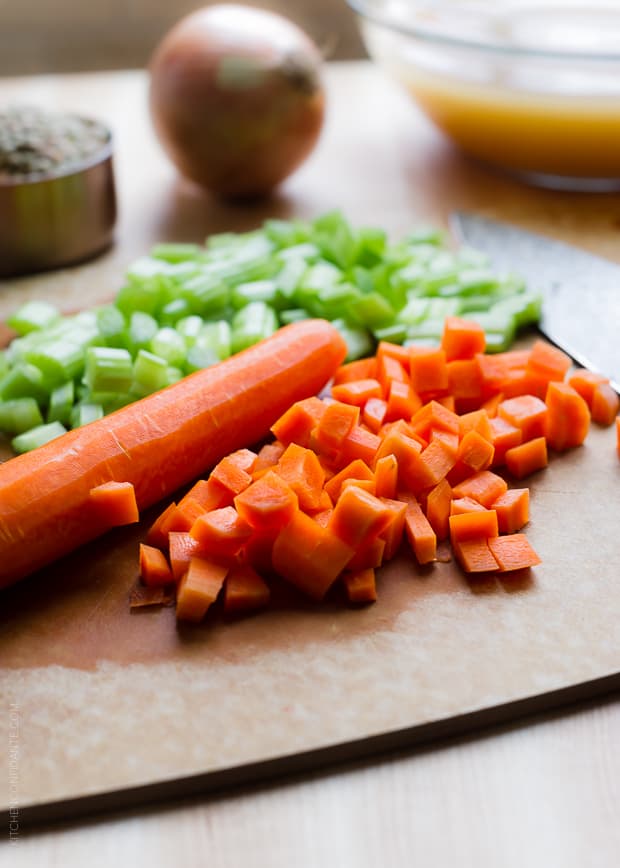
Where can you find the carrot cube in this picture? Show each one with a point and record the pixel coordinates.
(527, 457)
(420, 534)
(359, 443)
(358, 516)
(475, 451)
(221, 533)
(369, 555)
(268, 456)
(386, 476)
(485, 487)
(402, 401)
(390, 370)
(474, 525)
(157, 534)
(526, 412)
(298, 422)
(395, 351)
(244, 590)
(429, 371)
(438, 503)
(360, 586)
(513, 552)
(357, 392)
(605, 404)
(503, 437)
(357, 469)
(334, 425)
(198, 588)
(116, 503)
(267, 503)
(460, 505)
(182, 548)
(301, 470)
(568, 418)
(462, 339)
(393, 531)
(154, 568)
(547, 361)
(373, 414)
(584, 382)
(360, 369)
(474, 555)
(231, 476)
(513, 509)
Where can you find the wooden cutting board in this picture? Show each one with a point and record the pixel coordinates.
(117, 706)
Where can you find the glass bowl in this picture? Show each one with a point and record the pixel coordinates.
(529, 87)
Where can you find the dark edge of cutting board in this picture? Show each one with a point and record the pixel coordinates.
(314, 760)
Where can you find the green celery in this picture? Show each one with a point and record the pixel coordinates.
(23, 381)
(84, 413)
(150, 373)
(358, 340)
(61, 402)
(19, 415)
(168, 344)
(37, 436)
(251, 324)
(33, 316)
(176, 252)
(108, 369)
(141, 331)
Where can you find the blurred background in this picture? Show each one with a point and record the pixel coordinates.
(38, 36)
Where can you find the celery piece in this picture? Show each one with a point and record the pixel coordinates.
(289, 278)
(85, 412)
(4, 364)
(141, 331)
(144, 295)
(23, 381)
(110, 401)
(335, 239)
(37, 436)
(200, 356)
(371, 246)
(189, 328)
(216, 336)
(257, 290)
(307, 252)
(150, 373)
(205, 294)
(58, 362)
(174, 310)
(373, 310)
(251, 324)
(413, 312)
(19, 415)
(442, 307)
(395, 333)
(108, 369)
(168, 344)
(33, 316)
(293, 314)
(176, 252)
(286, 233)
(429, 328)
(61, 403)
(174, 374)
(525, 308)
(111, 325)
(475, 281)
(358, 340)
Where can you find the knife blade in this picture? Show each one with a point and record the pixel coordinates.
(581, 292)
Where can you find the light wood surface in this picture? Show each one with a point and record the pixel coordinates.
(541, 794)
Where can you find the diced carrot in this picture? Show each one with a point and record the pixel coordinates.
(360, 369)
(355, 470)
(244, 459)
(258, 550)
(267, 503)
(513, 509)
(405, 449)
(420, 534)
(116, 503)
(513, 552)
(358, 516)
(358, 443)
(462, 505)
(402, 401)
(368, 555)
(493, 371)
(367, 484)
(485, 487)
(244, 590)
(154, 568)
(473, 525)
(429, 371)
(446, 401)
(374, 412)
(568, 418)
(157, 534)
(438, 458)
(462, 339)
(474, 555)
(434, 415)
(503, 437)
(584, 382)
(209, 494)
(438, 503)
(360, 586)
(526, 412)
(334, 425)
(492, 403)
(231, 476)
(221, 533)
(357, 392)
(517, 382)
(396, 351)
(182, 548)
(449, 438)
(393, 531)
(475, 451)
(301, 470)
(547, 361)
(465, 384)
(386, 476)
(310, 556)
(527, 457)
(268, 456)
(185, 514)
(199, 588)
(390, 370)
(296, 423)
(476, 420)
(605, 404)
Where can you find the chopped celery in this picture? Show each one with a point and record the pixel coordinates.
(23, 381)
(176, 252)
(85, 412)
(216, 336)
(251, 324)
(358, 340)
(61, 402)
(19, 415)
(200, 356)
(150, 373)
(168, 344)
(294, 314)
(33, 316)
(57, 361)
(174, 310)
(108, 369)
(111, 325)
(257, 290)
(142, 329)
(38, 436)
(189, 328)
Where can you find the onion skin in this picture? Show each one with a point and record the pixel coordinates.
(236, 98)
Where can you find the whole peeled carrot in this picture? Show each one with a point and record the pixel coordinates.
(158, 444)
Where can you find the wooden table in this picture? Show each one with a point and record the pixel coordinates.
(543, 792)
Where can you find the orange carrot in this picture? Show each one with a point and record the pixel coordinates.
(465, 384)
(369, 485)
(244, 590)
(390, 370)
(526, 412)
(157, 534)
(357, 392)
(462, 339)
(402, 401)
(208, 493)
(393, 532)
(449, 438)
(485, 487)
(474, 525)
(460, 505)
(513, 509)
(429, 371)
(434, 415)
(547, 361)
(310, 556)
(301, 470)
(116, 503)
(513, 552)
(358, 516)
(186, 512)
(503, 437)
(154, 568)
(268, 456)
(373, 414)
(221, 533)
(296, 424)
(476, 420)
(358, 443)
(159, 443)
(267, 503)
(420, 534)
(584, 382)
(357, 469)
(396, 351)
(369, 555)
(568, 418)
(334, 425)
(360, 369)
(438, 505)
(360, 586)
(230, 476)
(475, 451)
(199, 588)
(474, 555)
(527, 457)
(386, 476)
(182, 548)
(605, 404)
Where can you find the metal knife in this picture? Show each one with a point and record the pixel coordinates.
(581, 292)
